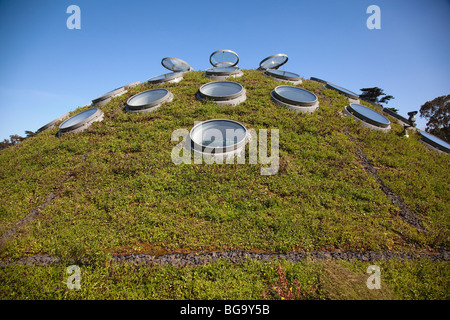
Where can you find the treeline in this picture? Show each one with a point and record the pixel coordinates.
(15, 139)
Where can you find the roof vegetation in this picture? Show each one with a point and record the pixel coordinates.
(117, 191)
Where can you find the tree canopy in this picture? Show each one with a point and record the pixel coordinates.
(437, 112)
(14, 139)
(375, 95)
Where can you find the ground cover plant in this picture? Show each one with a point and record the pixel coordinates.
(117, 192)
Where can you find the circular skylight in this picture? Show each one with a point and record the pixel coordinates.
(371, 118)
(53, 124)
(344, 91)
(223, 92)
(295, 98)
(273, 62)
(223, 70)
(105, 98)
(402, 120)
(281, 75)
(435, 141)
(134, 84)
(218, 136)
(172, 77)
(149, 100)
(221, 73)
(224, 58)
(318, 80)
(81, 121)
(175, 64)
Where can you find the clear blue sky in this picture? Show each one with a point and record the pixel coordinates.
(47, 70)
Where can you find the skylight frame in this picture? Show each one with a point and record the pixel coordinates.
(295, 105)
(150, 106)
(96, 115)
(366, 121)
(232, 99)
(223, 63)
(430, 139)
(293, 78)
(271, 57)
(181, 62)
(198, 146)
(105, 98)
(171, 77)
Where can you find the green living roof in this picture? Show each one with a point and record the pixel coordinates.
(113, 190)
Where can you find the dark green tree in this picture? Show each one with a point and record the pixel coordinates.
(437, 112)
(375, 95)
(15, 138)
(30, 133)
(4, 144)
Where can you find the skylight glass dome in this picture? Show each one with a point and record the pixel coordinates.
(224, 58)
(402, 120)
(81, 121)
(368, 117)
(134, 84)
(353, 97)
(224, 64)
(105, 98)
(318, 80)
(222, 92)
(434, 142)
(176, 65)
(296, 99)
(149, 100)
(171, 77)
(218, 137)
(285, 76)
(270, 67)
(273, 62)
(54, 124)
(222, 73)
